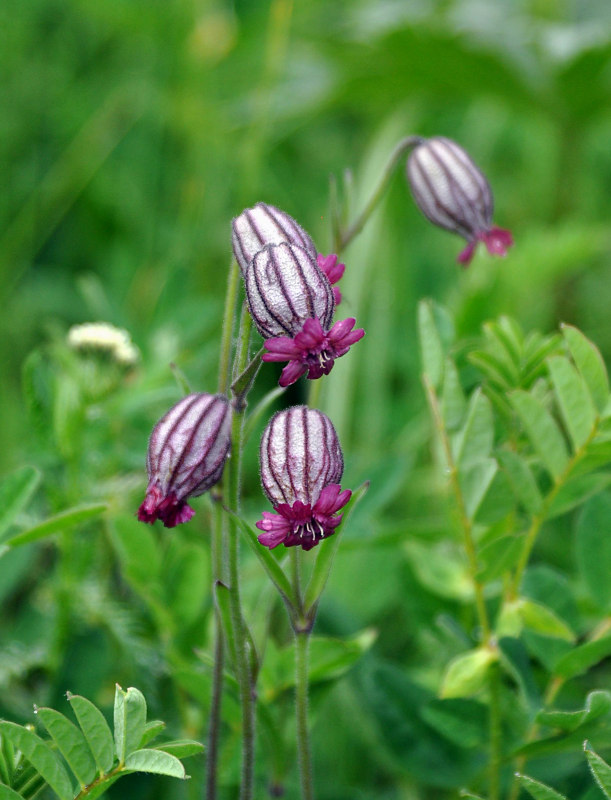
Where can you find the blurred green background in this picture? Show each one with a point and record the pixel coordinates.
(131, 131)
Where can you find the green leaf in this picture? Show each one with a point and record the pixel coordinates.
(542, 431)
(130, 719)
(600, 769)
(576, 491)
(137, 549)
(593, 545)
(181, 748)
(187, 581)
(590, 364)
(268, 562)
(597, 703)
(579, 660)
(15, 491)
(543, 620)
(431, 347)
(453, 401)
(470, 795)
(474, 441)
(576, 407)
(223, 604)
(522, 480)
(103, 786)
(152, 730)
(96, 731)
(326, 553)
(467, 673)
(515, 661)
(499, 556)
(475, 480)
(59, 522)
(538, 790)
(464, 722)
(155, 761)
(40, 755)
(9, 794)
(71, 744)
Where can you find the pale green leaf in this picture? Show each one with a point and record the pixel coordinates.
(453, 401)
(543, 620)
(542, 431)
(155, 761)
(181, 748)
(576, 407)
(600, 769)
(187, 581)
(522, 480)
(96, 731)
(539, 790)
(579, 660)
(499, 556)
(431, 347)
(593, 545)
(152, 729)
(576, 491)
(474, 441)
(57, 523)
(9, 794)
(590, 364)
(71, 743)
(40, 755)
(597, 703)
(475, 480)
(15, 491)
(467, 673)
(130, 719)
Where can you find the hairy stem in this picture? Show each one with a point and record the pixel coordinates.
(302, 643)
(344, 238)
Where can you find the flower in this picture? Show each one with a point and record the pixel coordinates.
(186, 455)
(102, 337)
(291, 302)
(454, 194)
(301, 466)
(263, 224)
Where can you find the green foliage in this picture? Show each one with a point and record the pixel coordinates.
(89, 752)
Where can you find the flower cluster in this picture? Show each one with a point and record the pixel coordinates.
(454, 194)
(290, 294)
(301, 466)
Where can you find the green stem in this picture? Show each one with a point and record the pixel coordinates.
(357, 226)
(302, 643)
(494, 772)
(233, 284)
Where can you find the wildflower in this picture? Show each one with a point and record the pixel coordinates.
(186, 455)
(301, 466)
(454, 194)
(291, 302)
(103, 337)
(263, 224)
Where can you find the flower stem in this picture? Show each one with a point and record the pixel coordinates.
(302, 643)
(233, 284)
(343, 239)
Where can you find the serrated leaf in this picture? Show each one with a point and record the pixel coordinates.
(544, 434)
(181, 748)
(543, 620)
(155, 761)
(152, 730)
(597, 703)
(71, 743)
(574, 400)
(579, 660)
(15, 491)
(539, 790)
(130, 719)
(521, 479)
(600, 769)
(40, 755)
(467, 673)
(474, 441)
(96, 731)
(453, 401)
(57, 523)
(475, 480)
(589, 363)
(593, 545)
(431, 347)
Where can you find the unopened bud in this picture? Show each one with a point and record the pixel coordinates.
(454, 194)
(186, 455)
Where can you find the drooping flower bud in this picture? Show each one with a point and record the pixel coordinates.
(263, 224)
(454, 194)
(186, 455)
(291, 303)
(301, 466)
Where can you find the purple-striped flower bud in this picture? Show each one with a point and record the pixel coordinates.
(291, 302)
(454, 194)
(301, 467)
(186, 455)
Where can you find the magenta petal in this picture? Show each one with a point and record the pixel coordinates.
(332, 499)
(341, 328)
(280, 346)
(337, 295)
(310, 336)
(292, 372)
(497, 241)
(465, 256)
(177, 515)
(350, 338)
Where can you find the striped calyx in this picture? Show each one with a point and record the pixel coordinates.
(454, 194)
(301, 466)
(261, 225)
(186, 455)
